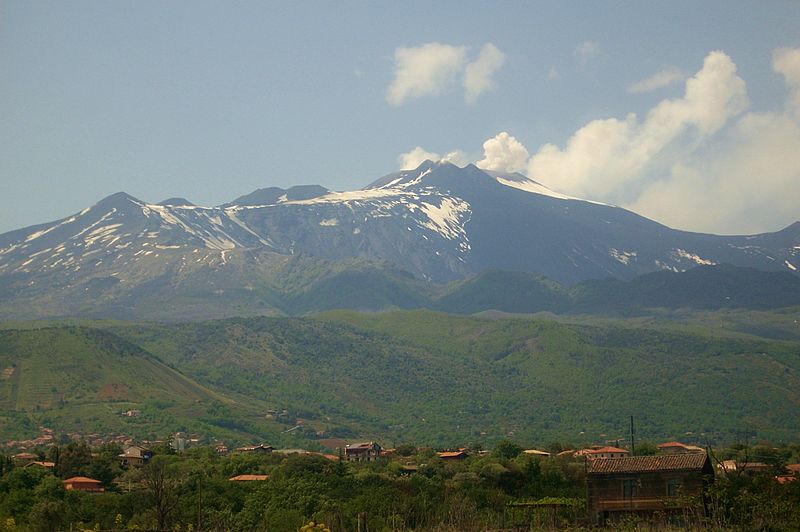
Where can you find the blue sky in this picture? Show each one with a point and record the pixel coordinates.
(211, 100)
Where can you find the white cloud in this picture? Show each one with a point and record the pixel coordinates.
(415, 157)
(786, 61)
(747, 181)
(456, 157)
(427, 70)
(586, 51)
(478, 74)
(503, 153)
(434, 69)
(603, 156)
(700, 162)
(660, 79)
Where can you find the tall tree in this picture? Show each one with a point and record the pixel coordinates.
(162, 484)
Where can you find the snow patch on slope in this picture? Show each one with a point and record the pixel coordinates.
(683, 254)
(622, 256)
(521, 182)
(446, 218)
(352, 196)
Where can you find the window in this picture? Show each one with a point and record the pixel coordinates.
(673, 487)
(629, 487)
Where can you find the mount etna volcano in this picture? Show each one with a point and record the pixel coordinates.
(432, 225)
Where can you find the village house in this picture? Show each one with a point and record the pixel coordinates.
(135, 456)
(676, 447)
(791, 474)
(83, 484)
(248, 478)
(221, 448)
(602, 452)
(362, 452)
(536, 452)
(45, 465)
(733, 467)
(671, 485)
(24, 458)
(255, 449)
(452, 456)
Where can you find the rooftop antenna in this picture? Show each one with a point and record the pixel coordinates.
(633, 441)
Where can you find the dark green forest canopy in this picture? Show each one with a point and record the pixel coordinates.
(414, 376)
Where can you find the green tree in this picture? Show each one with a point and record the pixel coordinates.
(47, 516)
(506, 450)
(162, 484)
(73, 459)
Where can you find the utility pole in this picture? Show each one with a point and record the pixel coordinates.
(633, 440)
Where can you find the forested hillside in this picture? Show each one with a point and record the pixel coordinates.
(411, 376)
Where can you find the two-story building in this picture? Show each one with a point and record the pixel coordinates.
(671, 485)
(135, 455)
(362, 452)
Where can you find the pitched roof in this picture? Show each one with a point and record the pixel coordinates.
(25, 456)
(536, 452)
(451, 454)
(673, 444)
(601, 450)
(638, 464)
(248, 478)
(42, 464)
(81, 479)
(670, 444)
(606, 450)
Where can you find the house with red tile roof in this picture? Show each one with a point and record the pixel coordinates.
(83, 484)
(648, 486)
(603, 452)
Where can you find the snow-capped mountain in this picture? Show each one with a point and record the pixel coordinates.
(439, 222)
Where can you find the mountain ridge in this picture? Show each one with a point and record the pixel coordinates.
(439, 223)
